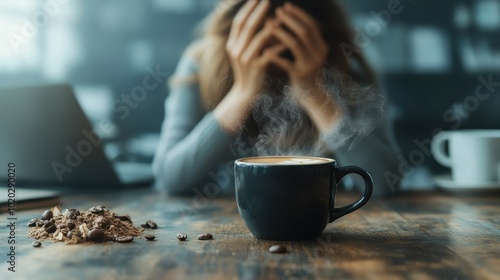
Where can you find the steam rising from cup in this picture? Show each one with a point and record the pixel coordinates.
(285, 129)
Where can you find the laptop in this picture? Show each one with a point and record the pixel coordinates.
(45, 133)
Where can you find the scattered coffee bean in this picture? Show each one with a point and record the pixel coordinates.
(150, 224)
(149, 237)
(278, 249)
(36, 244)
(51, 229)
(205, 236)
(96, 209)
(32, 222)
(182, 236)
(74, 213)
(69, 234)
(96, 235)
(70, 224)
(47, 215)
(124, 239)
(125, 218)
(48, 224)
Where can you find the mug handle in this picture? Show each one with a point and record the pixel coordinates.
(438, 150)
(340, 172)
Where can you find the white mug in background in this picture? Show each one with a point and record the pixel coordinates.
(473, 155)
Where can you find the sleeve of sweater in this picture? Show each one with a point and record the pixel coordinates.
(192, 143)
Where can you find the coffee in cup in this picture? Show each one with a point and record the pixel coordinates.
(292, 198)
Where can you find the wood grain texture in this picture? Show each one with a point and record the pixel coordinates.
(409, 236)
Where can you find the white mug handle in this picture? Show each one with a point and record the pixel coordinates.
(438, 150)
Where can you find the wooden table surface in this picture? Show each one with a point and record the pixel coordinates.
(410, 236)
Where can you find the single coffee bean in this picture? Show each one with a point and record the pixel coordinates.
(69, 234)
(205, 236)
(70, 224)
(124, 239)
(48, 224)
(150, 224)
(182, 236)
(149, 237)
(96, 210)
(96, 235)
(51, 229)
(36, 244)
(125, 218)
(32, 222)
(47, 215)
(73, 213)
(278, 249)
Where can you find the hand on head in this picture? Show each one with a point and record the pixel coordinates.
(305, 42)
(257, 41)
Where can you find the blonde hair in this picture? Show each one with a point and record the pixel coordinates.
(215, 77)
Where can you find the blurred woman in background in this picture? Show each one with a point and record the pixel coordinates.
(270, 76)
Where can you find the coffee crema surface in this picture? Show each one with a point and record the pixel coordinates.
(282, 160)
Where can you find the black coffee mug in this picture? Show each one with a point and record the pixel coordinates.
(292, 198)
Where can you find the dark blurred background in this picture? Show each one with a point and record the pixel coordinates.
(431, 56)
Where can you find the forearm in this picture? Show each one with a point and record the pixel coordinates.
(234, 109)
(190, 162)
(322, 109)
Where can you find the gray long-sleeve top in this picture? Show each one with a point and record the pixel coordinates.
(195, 155)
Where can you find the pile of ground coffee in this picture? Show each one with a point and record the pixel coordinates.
(98, 224)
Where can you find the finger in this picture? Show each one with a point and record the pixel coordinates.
(299, 30)
(307, 21)
(290, 42)
(240, 19)
(258, 43)
(301, 14)
(252, 24)
(274, 50)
